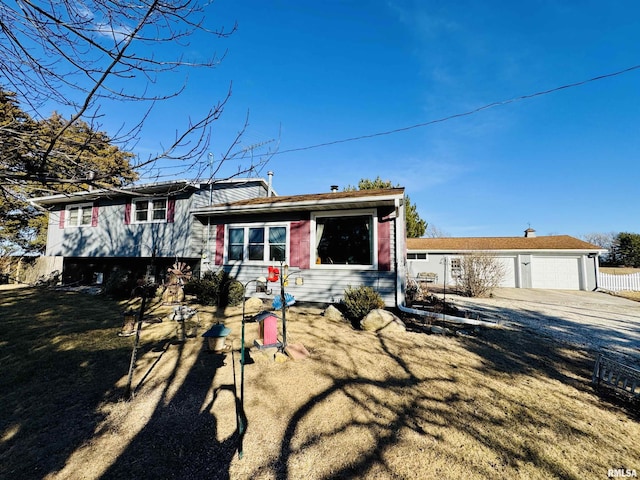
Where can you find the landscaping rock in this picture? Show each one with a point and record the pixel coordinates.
(253, 305)
(280, 357)
(332, 313)
(382, 321)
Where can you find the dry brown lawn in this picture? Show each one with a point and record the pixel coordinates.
(496, 404)
(631, 295)
(619, 270)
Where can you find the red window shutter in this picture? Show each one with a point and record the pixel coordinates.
(94, 214)
(171, 210)
(384, 246)
(127, 212)
(219, 244)
(300, 243)
(61, 221)
(294, 244)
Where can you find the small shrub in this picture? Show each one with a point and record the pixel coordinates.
(236, 293)
(205, 289)
(359, 301)
(216, 288)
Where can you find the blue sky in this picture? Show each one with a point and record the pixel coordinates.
(309, 73)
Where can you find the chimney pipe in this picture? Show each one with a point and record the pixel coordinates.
(334, 188)
(269, 183)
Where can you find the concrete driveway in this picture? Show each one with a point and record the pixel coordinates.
(594, 320)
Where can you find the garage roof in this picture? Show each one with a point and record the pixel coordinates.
(552, 242)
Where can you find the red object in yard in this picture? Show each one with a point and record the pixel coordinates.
(274, 274)
(269, 330)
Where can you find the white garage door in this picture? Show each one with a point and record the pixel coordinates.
(555, 272)
(509, 264)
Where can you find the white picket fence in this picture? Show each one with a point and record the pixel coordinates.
(617, 283)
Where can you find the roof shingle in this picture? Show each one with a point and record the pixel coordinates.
(457, 244)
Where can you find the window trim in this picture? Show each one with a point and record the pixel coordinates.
(373, 213)
(416, 256)
(80, 207)
(245, 251)
(149, 200)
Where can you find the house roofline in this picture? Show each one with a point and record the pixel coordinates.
(300, 202)
(166, 187)
(516, 244)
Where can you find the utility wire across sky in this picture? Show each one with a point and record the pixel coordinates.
(458, 115)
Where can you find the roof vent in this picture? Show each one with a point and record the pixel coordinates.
(529, 233)
(270, 184)
(334, 188)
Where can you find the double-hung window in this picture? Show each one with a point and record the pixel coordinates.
(150, 210)
(79, 215)
(257, 243)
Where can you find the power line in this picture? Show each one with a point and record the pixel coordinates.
(458, 115)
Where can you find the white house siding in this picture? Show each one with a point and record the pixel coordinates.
(524, 270)
(227, 193)
(112, 238)
(203, 243)
(319, 285)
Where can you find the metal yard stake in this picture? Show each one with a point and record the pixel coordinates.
(240, 413)
(128, 393)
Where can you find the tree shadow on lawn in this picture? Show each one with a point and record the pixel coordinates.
(394, 405)
(57, 376)
(431, 408)
(564, 350)
(179, 440)
(599, 330)
(618, 338)
(53, 376)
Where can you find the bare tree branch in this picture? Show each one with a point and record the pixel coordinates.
(84, 55)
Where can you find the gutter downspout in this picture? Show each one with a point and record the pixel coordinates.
(596, 268)
(399, 289)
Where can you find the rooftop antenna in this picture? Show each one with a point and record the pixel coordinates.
(256, 145)
(253, 147)
(210, 155)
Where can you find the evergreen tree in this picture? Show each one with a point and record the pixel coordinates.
(80, 153)
(415, 226)
(627, 246)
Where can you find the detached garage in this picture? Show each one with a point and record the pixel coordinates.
(551, 262)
